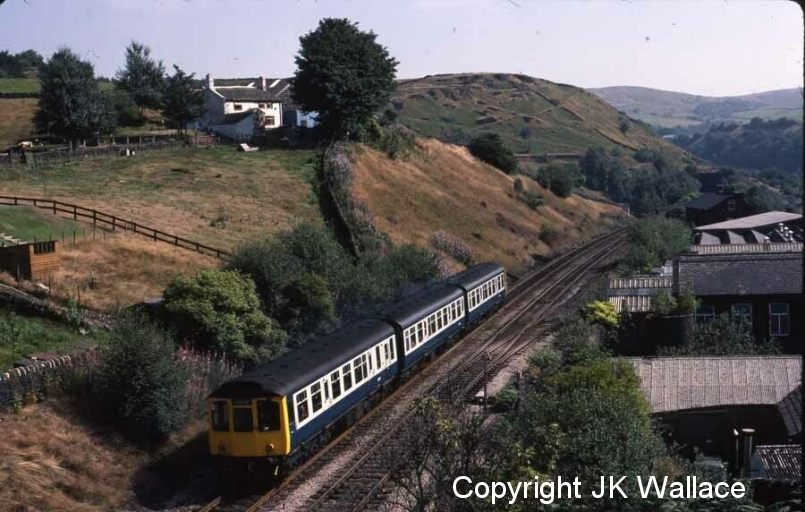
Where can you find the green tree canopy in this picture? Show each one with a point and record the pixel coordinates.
(183, 100)
(654, 240)
(344, 75)
(489, 148)
(219, 310)
(19, 65)
(70, 105)
(142, 76)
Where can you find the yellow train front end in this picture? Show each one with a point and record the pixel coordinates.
(249, 428)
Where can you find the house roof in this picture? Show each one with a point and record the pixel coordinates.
(706, 201)
(234, 118)
(752, 221)
(678, 383)
(631, 303)
(790, 409)
(251, 91)
(780, 462)
(741, 274)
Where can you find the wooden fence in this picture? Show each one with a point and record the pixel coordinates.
(108, 221)
(62, 155)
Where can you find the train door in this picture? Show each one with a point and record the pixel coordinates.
(328, 397)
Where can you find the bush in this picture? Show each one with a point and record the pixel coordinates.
(518, 185)
(654, 240)
(505, 400)
(308, 305)
(548, 234)
(138, 385)
(397, 141)
(601, 312)
(532, 199)
(490, 149)
(686, 303)
(723, 336)
(559, 179)
(219, 311)
(663, 303)
(452, 246)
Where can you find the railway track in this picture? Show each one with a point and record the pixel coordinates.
(333, 479)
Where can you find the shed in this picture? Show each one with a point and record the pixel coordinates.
(35, 260)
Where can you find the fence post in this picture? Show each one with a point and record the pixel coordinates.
(75, 212)
(94, 217)
(113, 222)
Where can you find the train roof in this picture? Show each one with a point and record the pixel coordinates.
(303, 365)
(407, 311)
(476, 275)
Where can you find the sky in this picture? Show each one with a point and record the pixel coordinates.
(706, 47)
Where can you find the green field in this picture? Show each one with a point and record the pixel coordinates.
(28, 224)
(27, 85)
(21, 336)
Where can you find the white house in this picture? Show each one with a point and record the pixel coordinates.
(249, 108)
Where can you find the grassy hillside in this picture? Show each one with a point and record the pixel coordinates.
(29, 224)
(442, 187)
(216, 196)
(530, 114)
(16, 120)
(668, 109)
(29, 85)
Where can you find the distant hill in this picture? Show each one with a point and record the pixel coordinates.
(531, 115)
(670, 109)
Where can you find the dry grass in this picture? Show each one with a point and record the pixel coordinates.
(16, 120)
(52, 459)
(442, 187)
(216, 196)
(121, 270)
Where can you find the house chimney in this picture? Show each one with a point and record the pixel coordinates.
(262, 82)
(747, 435)
(210, 81)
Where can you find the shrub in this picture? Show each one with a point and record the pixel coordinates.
(723, 336)
(490, 149)
(505, 400)
(532, 199)
(308, 305)
(601, 312)
(548, 234)
(663, 303)
(686, 303)
(206, 372)
(453, 246)
(654, 240)
(559, 179)
(397, 141)
(219, 311)
(138, 385)
(518, 185)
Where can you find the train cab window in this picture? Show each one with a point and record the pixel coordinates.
(219, 410)
(315, 397)
(335, 383)
(302, 411)
(268, 416)
(242, 418)
(346, 373)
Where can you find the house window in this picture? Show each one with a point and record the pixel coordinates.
(779, 319)
(705, 313)
(731, 205)
(238, 107)
(262, 105)
(742, 312)
(269, 120)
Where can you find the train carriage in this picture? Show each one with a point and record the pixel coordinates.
(484, 287)
(278, 407)
(423, 322)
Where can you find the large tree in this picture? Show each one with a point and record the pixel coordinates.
(344, 75)
(183, 100)
(142, 77)
(71, 105)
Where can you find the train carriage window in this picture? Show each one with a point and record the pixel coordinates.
(357, 366)
(242, 419)
(420, 332)
(326, 387)
(219, 411)
(302, 411)
(367, 358)
(268, 415)
(387, 351)
(346, 374)
(335, 382)
(377, 356)
(431, 324)
(407, 339)
(315, 397)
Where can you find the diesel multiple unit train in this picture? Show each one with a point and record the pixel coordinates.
(285, 410)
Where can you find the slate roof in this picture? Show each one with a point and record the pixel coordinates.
(255, 93)
(753, 221)
(706, 201)
(301, 366)
(790, 409)
(678, 383)
(741, 274)
(780, 462)
(234, 118)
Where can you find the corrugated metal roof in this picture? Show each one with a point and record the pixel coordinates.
(745, 248)
(632, 303)
(778, 462)
(641, 282)
(753, 221)
(677, 383)
(790, 409)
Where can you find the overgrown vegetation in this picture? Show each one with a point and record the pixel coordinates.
(653, 240)
(490, 149)
(644, 188)
(452, 246)
(723, 336)
(559, 179)
(20, 65)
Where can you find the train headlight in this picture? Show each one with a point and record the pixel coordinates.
(269, 448)
(221, 448)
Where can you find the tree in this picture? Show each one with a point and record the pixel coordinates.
(559, 179)
(138, 385)
(308, 307)
(344, 75)
(654, 240)
(183, 100)
(490, 149)
(70, 105)
(219, 311)
(142, 77)
(21, 64)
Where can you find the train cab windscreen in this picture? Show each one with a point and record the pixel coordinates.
(219, 412)
(268, 416)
